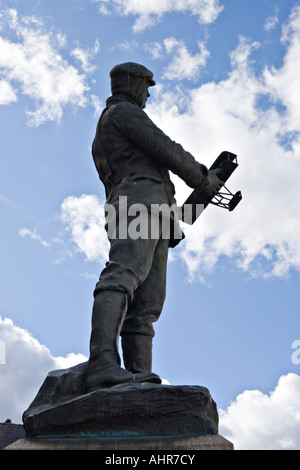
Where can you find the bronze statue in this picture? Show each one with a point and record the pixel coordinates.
(133, 158)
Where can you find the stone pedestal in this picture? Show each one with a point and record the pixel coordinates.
(121, 444)
(136, 416)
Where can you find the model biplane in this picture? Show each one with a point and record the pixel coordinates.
(199, 199)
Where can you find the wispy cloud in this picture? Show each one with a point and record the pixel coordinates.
(86, 56)
(272, 21)
(183, 64)
(9, 203)
(124, 46)
(7, 93)
(149, 13)
(34, 235)
(33, 65)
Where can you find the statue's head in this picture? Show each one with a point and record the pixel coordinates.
(132, 80)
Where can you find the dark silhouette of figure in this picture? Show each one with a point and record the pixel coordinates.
(133, 158)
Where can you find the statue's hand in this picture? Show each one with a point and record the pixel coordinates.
(214, 183)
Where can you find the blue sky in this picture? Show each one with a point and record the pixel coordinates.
(228, 78)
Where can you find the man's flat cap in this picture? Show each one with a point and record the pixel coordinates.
(132, 69)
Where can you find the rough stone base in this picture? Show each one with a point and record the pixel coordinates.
(136, 416)
(207, 442)
(62, 409)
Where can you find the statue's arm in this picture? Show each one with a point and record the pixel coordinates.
(155, 143)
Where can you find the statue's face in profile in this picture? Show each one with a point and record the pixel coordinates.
(144, 94)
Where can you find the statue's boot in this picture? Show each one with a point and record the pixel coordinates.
(104, 368)
(137, 353)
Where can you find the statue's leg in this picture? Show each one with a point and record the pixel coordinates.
(129, 265)
(137, 332)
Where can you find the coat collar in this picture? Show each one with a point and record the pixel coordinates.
(115, 99)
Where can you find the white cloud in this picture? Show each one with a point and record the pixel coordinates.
(34, 235)
(33, 65)
(97, 105)
(155, 49)
(284, 83)
(58, 247)
(7, 93)
(183, 64)
(261, 235)
(256, 421)
(124, 46)
(26, 365)
(272, 21)
(84, 219)
(85, 56)
(149, 13)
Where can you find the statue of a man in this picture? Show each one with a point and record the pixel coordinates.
(133, 158)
